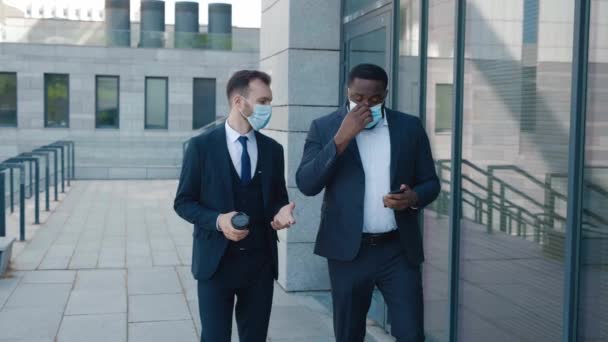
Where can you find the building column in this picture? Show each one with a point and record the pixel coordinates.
(300, 49)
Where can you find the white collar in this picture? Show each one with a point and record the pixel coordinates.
(234, 136)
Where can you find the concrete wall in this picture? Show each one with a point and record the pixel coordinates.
(302, 55)
(74, 32)
(130, 151)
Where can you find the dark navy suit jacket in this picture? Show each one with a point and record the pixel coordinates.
(343, 178)
(205, 191)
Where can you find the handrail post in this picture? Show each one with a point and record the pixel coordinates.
(22, 203)
(58, 149)
(2, 206)
(31, 188)
(11, 189)
(47, 174)
(490, 198)
(503, 223)
(21, 166)
(33, 157)
(37, 191)
(69, 145)
(549, 200)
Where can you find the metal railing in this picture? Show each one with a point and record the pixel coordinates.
(62, 148)
(514, 217)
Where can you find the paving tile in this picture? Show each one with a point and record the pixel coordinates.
(40, 296)
(297, 322)
(95, 301)
(155, 280)
(163, 307)
(7, 287)
(101, 279)
(182, 331)
(42, 323)
(49, 277)
(93, 328)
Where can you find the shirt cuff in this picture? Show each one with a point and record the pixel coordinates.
(217, 223)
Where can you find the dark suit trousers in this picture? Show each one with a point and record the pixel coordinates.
(400, 283)
(244, 276)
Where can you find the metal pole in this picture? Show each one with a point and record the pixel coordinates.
(456, 176)
(31, 179)
(2, 206)
(22, 203)
(576, 164)
(55, 175)
(73, 161)
(11, 190)
(62, 169)
(37, 190)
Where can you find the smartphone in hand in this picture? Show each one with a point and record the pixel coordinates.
(395, 192)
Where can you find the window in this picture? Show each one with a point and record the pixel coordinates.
(443, 108)
(203, 103)
(8, 99)
(156, 102)
(56, 100)
(106, 101)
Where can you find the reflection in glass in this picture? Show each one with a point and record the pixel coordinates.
(8, 99)
(56, 101)
(409, 59)
(107, 101)
(156, 102)
(354, 6)
(368, 48)
(593, 309)
(436, 232)
(515, 143)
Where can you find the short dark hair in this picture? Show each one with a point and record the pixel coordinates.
(368, 72)
(239, 82)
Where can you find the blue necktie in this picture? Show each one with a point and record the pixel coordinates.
(245, 162)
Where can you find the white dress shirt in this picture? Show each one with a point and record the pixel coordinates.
(236, 149)
(375, 151)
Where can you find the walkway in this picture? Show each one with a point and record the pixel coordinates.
(111, 263)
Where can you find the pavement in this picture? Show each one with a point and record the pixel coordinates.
(111, 262)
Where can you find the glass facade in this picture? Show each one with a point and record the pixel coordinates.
(8, 99)
(510, 272)
(56, 100)
(156, 102)
(107, 101)
(513, 209)
(203, 103)
(593, 307)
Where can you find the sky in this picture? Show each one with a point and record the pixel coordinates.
(245, 13)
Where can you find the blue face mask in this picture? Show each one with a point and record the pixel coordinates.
(260, 117)
(376, 114)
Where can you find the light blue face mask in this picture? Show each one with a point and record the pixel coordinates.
(376, 114)
(260, 117)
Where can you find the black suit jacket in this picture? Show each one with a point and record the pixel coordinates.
(343, 178)
(205, 191)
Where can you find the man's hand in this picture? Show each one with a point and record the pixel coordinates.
(407, 199)
(284, 218)
(354, 122)
(225, 223)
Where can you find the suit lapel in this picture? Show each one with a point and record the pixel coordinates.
(395, 138)
(264, 166)
(223, 157)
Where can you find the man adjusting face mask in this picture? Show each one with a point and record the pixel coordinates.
(376, 114)
(260, 116)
